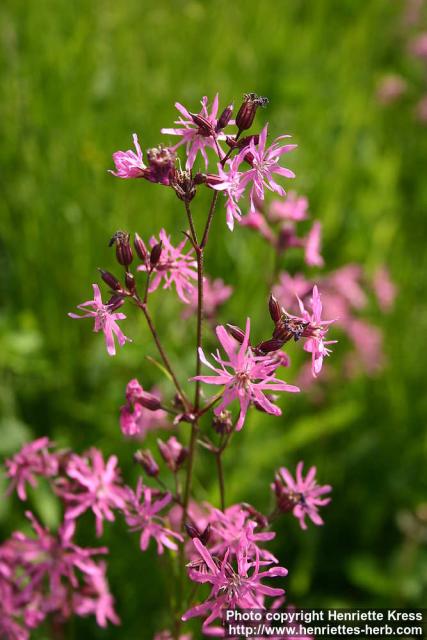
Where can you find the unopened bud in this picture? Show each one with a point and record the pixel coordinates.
(260, 518)
(268, 346)
(237, 333)
(149, 401)
(172, 452)
(183, 184)
(274, 309)
(111, 280)
(193, 532)
(115, 302)
(247, 111)
(147, 462)
(205, 126)
(140, 247)
(155, 254)
(123, 249)
(223, 423)
(225, 117)
(130, 282)
(200, 178)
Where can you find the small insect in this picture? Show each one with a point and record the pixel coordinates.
(259, 101)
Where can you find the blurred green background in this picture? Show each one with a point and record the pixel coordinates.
(78, 77)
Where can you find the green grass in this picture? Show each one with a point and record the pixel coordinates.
(78, 78)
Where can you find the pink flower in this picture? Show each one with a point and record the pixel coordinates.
(215, 293)
(312, 246)
(105, 320)
(143, 516)
(172, 452)
(315, 332)
(421, 110)
(234, 525)
(302, 496)
(94, 485)
(289, 288)
(173, 268)
(264, 164)
(51, 575)
(249, 378)
(418, 46)
(31, 461)
(94, 597)
(384, 288)
(256, 221)
(141, 413)
(128, 163)
(232, 587)
(390, 89)
(294, 207)
(231, 185)
(198, 132)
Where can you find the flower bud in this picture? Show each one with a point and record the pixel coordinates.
(140, 247)
(147, 462)
(193, 532)
(172, 452)
(269, 346)
(247, 111)
(111, 280)
(183, 184)
(155, 254)
(123, 249)
(130, 282)
(149, 401)
(237, 333)
(225, 117)
(223, 423)
(161, 162)
(205, 126)
(115, 302)
(260, 518)
(274, 309)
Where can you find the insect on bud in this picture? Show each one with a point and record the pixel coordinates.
(147, 462)
(130, 282)
(155, 254)
(111, 280)
(247, 111)
(274, 309)
(123, 249)
(237, 333)
(140, 247)
(225, 117)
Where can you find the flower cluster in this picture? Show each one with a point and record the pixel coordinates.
(224, 545)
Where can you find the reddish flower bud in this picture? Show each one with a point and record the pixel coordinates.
(155, 254)
(183, 184)
(223, 423)
(161, 162)
(200, 178)
(205, 126)
(111, 280)
(268, 346)
(261, 519)
(225, 117)
(237, 333)
(247, 111)
(244, 142)
(193, 532)
(274, 309)
(140, 248)
(172, 452)
(115, 302)
(147, 462)
(149, 401)
(130, 282)
(123, 249)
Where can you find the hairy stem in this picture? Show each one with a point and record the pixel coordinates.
(220, 471)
